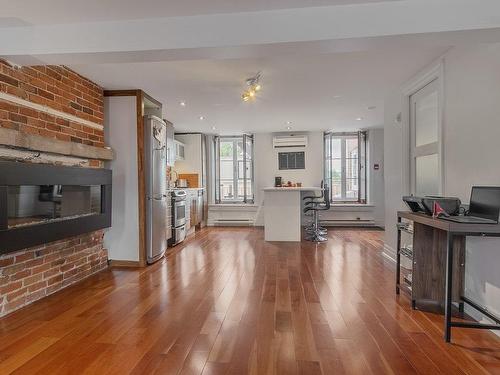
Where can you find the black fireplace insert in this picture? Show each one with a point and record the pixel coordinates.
(41, 203)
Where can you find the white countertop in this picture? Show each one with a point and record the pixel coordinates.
(286, 189)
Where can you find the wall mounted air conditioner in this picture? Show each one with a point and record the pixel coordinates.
(281, 141)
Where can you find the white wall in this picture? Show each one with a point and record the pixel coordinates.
(120, 125)
(376, 177)
(266, 166)
(192, 162)
(471, 133)
(266, 169)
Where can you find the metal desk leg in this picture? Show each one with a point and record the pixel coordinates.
(398, 258)
(449, 287)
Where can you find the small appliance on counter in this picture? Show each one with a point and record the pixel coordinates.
(192, 179)
(181, 183)
(278, 181)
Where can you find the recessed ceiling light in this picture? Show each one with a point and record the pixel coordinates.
(213, 128)
(202, 118)
(288, 122)
(372, 107)
(288, 128)
(182, 104)
(359, 119)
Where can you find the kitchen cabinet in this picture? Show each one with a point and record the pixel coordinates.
(188, 211)
(196, 208)
(179, 150)
(170, 144)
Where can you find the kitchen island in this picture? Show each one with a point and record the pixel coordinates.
(283, 212)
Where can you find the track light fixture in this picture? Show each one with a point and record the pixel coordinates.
(254, 86)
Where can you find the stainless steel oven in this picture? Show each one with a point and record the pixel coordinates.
(178, 216)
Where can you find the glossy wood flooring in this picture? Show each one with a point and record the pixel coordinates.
(226, 302)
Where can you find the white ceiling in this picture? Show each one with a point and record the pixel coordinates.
(36, 12)
(300, 89)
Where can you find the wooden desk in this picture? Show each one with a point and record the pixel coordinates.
(439, 264)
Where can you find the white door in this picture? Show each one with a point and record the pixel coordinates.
(425, 141)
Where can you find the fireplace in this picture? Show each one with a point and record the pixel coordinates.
(41, 203)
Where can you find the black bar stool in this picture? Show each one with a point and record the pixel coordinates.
(316, 233)
(310, 199)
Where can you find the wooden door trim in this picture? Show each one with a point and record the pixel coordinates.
(141, 173)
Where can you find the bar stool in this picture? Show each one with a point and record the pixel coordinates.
(310, 200)
(317, 233)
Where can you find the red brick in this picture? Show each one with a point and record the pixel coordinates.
(11, 270)
(53, 288)
(16, 91)
(55, 279)
(11, 306)
(24, 257)
(36, 296)
(29, 129)
(37, 286)
(9, 80)
(9, 125)
(10, 287)
(33, 279)
(28, 112)
(16, 294)
(51, 272)
(34, 262)
(6, 106)
(21, 275)
(62, 89)
(6, 261)
(44, 267)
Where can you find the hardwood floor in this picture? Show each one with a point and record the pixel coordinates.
(226, 302)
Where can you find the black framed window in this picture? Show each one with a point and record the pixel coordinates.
(291, 160)
(234, 181)
(345, 166)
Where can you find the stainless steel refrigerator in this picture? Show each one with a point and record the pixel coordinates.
(158, 229)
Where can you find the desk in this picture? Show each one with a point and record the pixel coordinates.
(439, 256)
(283, 212)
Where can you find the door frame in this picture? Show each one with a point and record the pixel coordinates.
(434, 72)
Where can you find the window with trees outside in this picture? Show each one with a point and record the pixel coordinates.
(345, 166)
(234, 169)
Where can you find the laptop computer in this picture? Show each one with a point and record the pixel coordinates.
(484, 206)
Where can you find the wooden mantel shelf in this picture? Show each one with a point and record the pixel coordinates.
(31, 142)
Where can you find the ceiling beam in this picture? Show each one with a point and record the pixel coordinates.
(211, 35)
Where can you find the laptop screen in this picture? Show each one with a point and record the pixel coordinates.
(485, 202)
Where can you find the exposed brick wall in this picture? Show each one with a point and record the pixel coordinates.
(59, 88)
(31, 274)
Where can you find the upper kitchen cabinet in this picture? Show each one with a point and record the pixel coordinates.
(180, 149)
(170, 144)
(191, 158)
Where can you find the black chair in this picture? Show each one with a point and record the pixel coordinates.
(314, 197)
(317, 233)
(309, 200)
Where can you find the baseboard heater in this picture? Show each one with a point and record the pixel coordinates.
(233, 222)
(361, 223)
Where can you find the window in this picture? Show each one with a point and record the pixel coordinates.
(292, 160)
(345, 166)
(234, 169)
